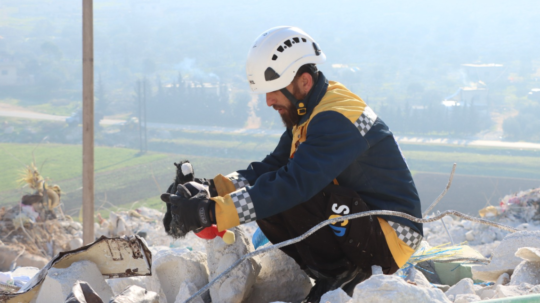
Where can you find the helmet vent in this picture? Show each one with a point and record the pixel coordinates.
(304, 40)
(270, 74)
(288, 43)
(280, 49)
(296, 40)
(274, 57)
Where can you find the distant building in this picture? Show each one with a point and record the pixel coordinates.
(534, 94)
(483, 72)
(8, 72)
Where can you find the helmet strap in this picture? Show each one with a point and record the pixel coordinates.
(300, 106)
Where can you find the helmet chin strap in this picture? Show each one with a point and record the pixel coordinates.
(299, 104)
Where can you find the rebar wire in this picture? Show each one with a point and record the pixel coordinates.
(340, 219)
(443, 193)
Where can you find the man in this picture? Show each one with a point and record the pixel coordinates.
(336, 157)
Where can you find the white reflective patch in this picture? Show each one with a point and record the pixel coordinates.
(187, 169)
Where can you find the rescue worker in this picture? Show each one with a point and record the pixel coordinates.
(336, 157)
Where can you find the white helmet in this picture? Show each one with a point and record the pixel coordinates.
(276, 56)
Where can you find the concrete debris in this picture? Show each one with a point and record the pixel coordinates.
(528, 271)
(175, 266)
(280, 278)
(504, 259)
(187, 290)
(136, 294)
(82, 292)
(237, 285)
(335, 296)
(463, 287)
(503, 279)
(384, 288)
(502, 291)
(417, 277)
(466, 298)
(151, 283)
(59, 282)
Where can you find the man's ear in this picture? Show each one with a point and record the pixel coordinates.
(306, 82)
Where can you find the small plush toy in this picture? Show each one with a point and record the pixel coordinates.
(211, 232)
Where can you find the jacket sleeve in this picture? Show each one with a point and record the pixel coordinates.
(332, 143)
(272, 162)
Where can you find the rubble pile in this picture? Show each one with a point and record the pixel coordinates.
(484, 262)
(28, 240)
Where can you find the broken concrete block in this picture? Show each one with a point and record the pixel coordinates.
(151, 283)
(11, 253)
(175, 266)
(465, 286)
(417, 277)
(336, 296)
(136, 294)
(385, 288)
(529, 254)
(75, 243)
(504, 259)
(503, 279)
(526, 272)
(82, 292)
(187, 290)
(59, 282)
(486, 293)
(505, 291)
(466, 298)
(238, 283)
(280, 278)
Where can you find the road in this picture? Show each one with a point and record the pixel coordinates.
(229, 130)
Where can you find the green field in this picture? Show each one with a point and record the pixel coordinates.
(125, 180)
(60, 162)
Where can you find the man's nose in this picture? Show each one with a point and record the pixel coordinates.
(270, 100)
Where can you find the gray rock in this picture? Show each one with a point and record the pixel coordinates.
(151, 283)
(526, 272)
(504, 259)
(136, 294)
(464, 286)
(466, 298)
(417, 277)
(59, 282)
(186, 291)
(384, 288)
(280, 278)
(175, 266)
(335, 296)
(237, 285)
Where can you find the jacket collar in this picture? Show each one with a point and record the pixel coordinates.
(316, 95)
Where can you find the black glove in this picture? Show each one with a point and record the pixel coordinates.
(190, 210)
(210, 184)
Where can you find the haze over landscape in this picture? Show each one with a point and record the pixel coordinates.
(464, 70)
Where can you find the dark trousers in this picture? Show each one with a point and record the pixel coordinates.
(331, 250)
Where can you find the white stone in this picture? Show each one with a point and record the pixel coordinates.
(280, 278)
(384, 288)
(335, 296)
(75, 243)
(526, 272)
(529, 254)
(186, 291)
(503, 279)
(175, 266)
(59, 282)
(376, 270)
(151, 283)
(466, 298)
(418, 278)
(464, 286)
(504, 259)
(136, 294)
(505, 291)
(486, 293)
(469, 235)
(237, 285)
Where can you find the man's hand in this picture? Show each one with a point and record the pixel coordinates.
(190, 209)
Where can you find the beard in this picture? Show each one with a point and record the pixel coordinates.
(291, 118)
